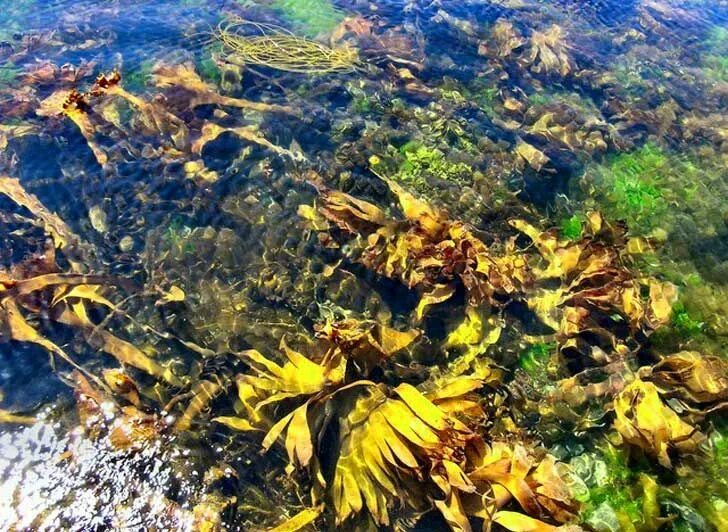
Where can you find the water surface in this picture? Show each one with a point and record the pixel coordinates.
(571, 157)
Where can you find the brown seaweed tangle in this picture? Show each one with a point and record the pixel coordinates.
(39, 287)
(426, 250)
(594, 285)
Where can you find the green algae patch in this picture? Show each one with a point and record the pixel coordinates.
(534, 359)
(631, 186)
(571, 227)
(420, 161)
(311, 18)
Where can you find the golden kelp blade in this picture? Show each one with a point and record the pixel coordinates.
(386, 443)
(517, 522)
(62, 235)
(594, 281)
(438, 294)
(298, 441)
(8, 132)
(571, 136)
(184, 76)
(426, 250)
(210, 131)
(472, 337)
(22, 287)
(506, 40)
(87, 292)
(73, 105)
(20, 331)
(699, 378)
(349, 212)
(535, 158)
(644, 420)
(514, 473)
(154, 117)
(366, 342)
(235, 423)
(562, 256)
(549, 53)
(298, 376)
(10, 418)
(418, 211)
(123, 351)
(453, 512)
(301, 520)
(455, 395)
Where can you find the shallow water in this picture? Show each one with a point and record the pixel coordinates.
(199, 189)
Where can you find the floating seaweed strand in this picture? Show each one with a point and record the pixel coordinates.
(278, 48)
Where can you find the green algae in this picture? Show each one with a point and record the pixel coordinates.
(209, 69)
(534, 359)
(571, 227)
(311, 18)
(137, 79)
(699, 497)
(684, 323)
(632, 185)
(680, 195)
(715, 67)
(619, 493)
(420, 164)
(9, 73)
(572, 99)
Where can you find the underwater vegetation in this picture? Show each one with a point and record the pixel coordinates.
(278, 48)
(311, 17)
(277, 265)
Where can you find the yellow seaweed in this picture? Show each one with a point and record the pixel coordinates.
(277, 48)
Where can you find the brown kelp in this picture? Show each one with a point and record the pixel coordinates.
(98, 113)
(430, 252)
(39, 286)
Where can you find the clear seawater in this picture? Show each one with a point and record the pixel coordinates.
(622, 110)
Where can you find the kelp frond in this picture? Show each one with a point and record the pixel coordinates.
(62, 235)
(397, 445)
(595, 288)
(426, 250)
(66, 298)
(183, 76)
(642, 419)
(298, 376)
(388, 444)
(697, 378)
(431, 253)
(154, 118)
(365, 342)
(74, 106)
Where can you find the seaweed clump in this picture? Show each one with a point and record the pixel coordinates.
(280, 49)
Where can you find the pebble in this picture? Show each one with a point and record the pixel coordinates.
(126, 244)
(98, 219)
